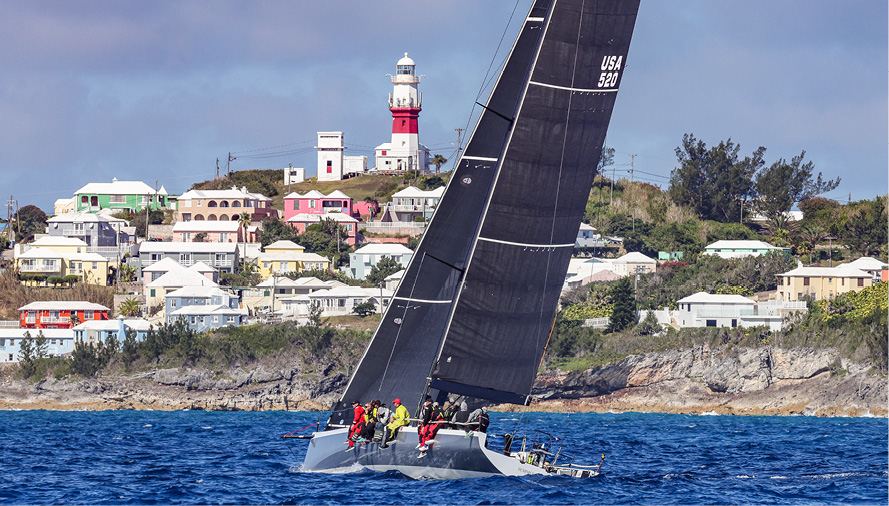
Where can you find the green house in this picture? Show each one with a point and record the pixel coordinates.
(131, 196)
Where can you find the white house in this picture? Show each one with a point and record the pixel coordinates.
(58, 342)
(99, 331)
(366, 257)
(410, 203)
(869, 265)
(337, 301)
(587, 237)
(726, 310)
(741, 249)
(634, 263)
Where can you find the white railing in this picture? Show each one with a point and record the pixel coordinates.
(391, 224)
(597, 323)
(222, 263)
(55, 319)
(411, 208)
(10, 324)
(39, 268)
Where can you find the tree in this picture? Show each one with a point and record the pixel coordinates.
(783, 184)
(365, 308)
(130, 307)
(274, 229)
(41, 347)
(384, 268)
(623, 313)
(26, 355)
(865, 231)
(244, 220)
(30, 220)
(438, 161)
(714, 181)
(649, 326)
(808, 236)
(605, 159)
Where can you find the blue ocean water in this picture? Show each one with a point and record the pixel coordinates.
(195, 457)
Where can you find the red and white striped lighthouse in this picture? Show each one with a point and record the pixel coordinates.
(405, 151)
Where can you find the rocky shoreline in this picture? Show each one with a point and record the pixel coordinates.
(740, 381)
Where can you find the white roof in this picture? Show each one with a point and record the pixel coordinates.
(206, 226)
(233, 193)
(86, 257)
(336, 194)
(187, 247)
(163, 265)
(199, 291)
(113, 325)
(312, 194)
(634, 257)
(41, 253)
(120, 188)
(741, 244)
(284, 245)
(182, 277)
(315, 218)
(716, 298)
(19, 333)
(840, 271)
(584, 226)
(63, 304)
(204, 309)
(291, 256)
(395, 275)
(202, 267)
(414, 192)
(406, 61)
(866, 263)
(383, 249)
(349, 291)
(284, 282)
(57, 241)
(84, 217)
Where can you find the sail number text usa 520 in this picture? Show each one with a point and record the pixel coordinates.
(610, 71)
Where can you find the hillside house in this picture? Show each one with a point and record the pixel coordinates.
(213, 231)
(872, 266)
(106, 235)
(337, 301)
(350, 225)
(411, 203)
(315, 202)
(633, 263)
(224, 205)
(223, 257)
(366, 257)
(61, 256)
(130, 196)
(726, 310)
(821, 283)
(204, 308)
(172, 280)
(59, 342)
(741, 249)
(100, 331)
(59, 314)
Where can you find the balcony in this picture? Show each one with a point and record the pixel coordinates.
(55, 319)
(41, 268)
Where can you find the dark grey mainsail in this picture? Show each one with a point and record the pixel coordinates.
(475, 307)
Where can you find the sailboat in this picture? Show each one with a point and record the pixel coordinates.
(475, 308)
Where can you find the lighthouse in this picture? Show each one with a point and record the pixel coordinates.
(405, 103)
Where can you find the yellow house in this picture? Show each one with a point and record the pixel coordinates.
(821, 282)
(61, 256)
(282, 257)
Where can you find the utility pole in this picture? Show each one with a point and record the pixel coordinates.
(228, 164)
(611, 199)
(10, 205)
(217, 167)
(632, 168)
(459, 133)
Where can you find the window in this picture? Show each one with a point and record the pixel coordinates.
(734, 323)
(172, 303)
(216, 319)
(266, 265)
(711, 323)
(89, 315)
(185, 258)
(186, 236)
(341, 302)
(118, 199)
(329, 166)
(296, 205)
(311, 204)
(231, 319)
(860, 281)
(806, 281)
(2, 341)
(95, 265)
(152, 292)
(285, 266)
(194, 319)
(829, 281)
(223, 236)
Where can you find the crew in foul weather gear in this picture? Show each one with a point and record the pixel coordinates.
(400, 418)
(357, 423)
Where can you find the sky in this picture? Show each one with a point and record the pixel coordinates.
(157, 91)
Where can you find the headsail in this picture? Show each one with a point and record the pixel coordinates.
(477, 300)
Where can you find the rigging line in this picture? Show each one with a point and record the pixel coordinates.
(272, 147)
(403, 316)
(497, 50)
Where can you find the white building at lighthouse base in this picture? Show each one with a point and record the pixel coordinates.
(389, 159)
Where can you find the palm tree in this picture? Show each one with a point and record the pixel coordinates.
(244, 220)
(374, 205)
(438, 161)
(129, 307)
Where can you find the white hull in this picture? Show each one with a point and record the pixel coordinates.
(453, 455)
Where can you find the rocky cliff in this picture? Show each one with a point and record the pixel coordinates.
(698, 380)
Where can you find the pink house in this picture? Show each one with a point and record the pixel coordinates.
(350, 224)
(315, 202)
(213, 231)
